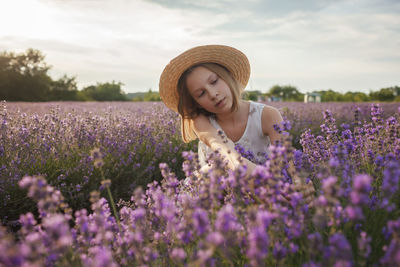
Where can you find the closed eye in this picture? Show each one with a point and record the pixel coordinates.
(215, 81)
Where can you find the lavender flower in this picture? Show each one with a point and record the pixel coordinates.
(217, 217)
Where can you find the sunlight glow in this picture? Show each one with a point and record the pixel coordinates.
(28, 18)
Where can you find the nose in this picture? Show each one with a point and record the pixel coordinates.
(214, 94)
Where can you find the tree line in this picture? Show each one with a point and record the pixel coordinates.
(291, 93)
(24, 77)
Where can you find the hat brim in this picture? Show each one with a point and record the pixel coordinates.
(232, 59)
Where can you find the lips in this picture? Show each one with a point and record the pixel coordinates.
(220, 103)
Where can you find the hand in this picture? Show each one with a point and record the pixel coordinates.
(209, 135)
(307, 190)
(205, 169)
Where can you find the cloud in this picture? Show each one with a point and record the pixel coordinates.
(311, 44)
(107, 37)
(263, 7)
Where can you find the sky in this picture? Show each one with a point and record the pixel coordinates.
(343, 45)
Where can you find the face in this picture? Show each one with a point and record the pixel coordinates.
(209, 90)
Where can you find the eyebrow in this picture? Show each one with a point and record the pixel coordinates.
(208, 80)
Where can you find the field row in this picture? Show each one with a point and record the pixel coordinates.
(75, 159)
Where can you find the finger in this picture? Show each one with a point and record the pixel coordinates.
(309, 187)
(309, 191)
(308, 196)
(297, 187)
(305, 190)
(283, 198)
(308, 201)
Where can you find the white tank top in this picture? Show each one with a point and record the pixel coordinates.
(253, 139)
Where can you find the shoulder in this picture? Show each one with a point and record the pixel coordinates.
(203, 128)
(270, 112)
(270, 116)
(264, 107)
(201, 123)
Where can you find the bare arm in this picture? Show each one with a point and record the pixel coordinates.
(271, 116)
(208, 134)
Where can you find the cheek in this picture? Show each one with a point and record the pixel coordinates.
(226, 88)
(199, 103)
(204, 104)
(228, 92)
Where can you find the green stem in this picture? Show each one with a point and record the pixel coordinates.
(114, 208)
(112, 203)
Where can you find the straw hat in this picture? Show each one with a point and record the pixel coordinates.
(232, 59)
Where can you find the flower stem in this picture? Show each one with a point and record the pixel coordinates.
(112, 203)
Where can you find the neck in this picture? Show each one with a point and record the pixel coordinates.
(233, 116)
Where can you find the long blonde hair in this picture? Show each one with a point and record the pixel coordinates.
(189, 109)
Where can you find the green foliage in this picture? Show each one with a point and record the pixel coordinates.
(64, 88)
(332, 96)
(286, 92)
(386, 94)
(138, 96)
(355, 97)
(252, 95)
(360, 97)
(151, 96)
(105, 92)
(137, 99)
(23, 77)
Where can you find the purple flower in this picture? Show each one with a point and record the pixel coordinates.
(364, 242)
(200, 221)
(258, 244)
(215, 238)
(265, 218)
(312, 264)
(361, 189)
(328, 185)
(226, 220)
(362, 183)
(354, 213)
(379, 161)
(392, 252)
(339, 248)
(58, 233)
(334, 162)
(27, 222)
(391, 178)
(178, 254)
(279, 251)
(286, 125)
(315, 242)
(99, 257)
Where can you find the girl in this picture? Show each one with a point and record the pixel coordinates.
(204, 85)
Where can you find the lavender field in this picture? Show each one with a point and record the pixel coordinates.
(112, 184)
